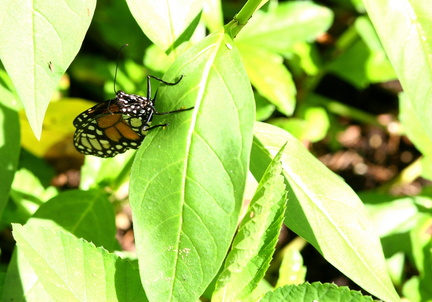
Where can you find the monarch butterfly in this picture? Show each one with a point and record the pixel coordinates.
(119, 124)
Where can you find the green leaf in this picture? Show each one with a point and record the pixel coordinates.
(72, 269)
(292, 269)
(21, 284)
(405, 30)
(8, 95)
(39, 41)
(326, 212)
(412, 127)
(315, 292)
(264, 109)
(188, 179)
(269, 76)
(99, 172)
(426, 163)
(212, 14)
(296, 126)
(115, 26)
(364, 61)
(313, 127)
(157, 60)
(422, 256)
(57, 128)
(289, 23)
(391, 215)
(411, 289)
(305, 56)
(9, 151)
(167, 23)
(86, 214)
(420, 242)
(263, 287)
(255, 242)
(28, 193)
(270, 35)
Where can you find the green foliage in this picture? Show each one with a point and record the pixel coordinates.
(255, 242)
(39, 53)
(269, 37)
(291, 269)
(320, 200)
(74, 211)
(201, 213)
(196, 235)
(160, 25)
(417, 133)
(408, 44)
(72, 269)
(371, 64)
(314, 292)
(402, 224)
(10, 137)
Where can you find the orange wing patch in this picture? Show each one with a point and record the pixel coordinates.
(109, 120)
(127, 132)
(115, 128)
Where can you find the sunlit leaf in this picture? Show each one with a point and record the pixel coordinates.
(97, 275)
(188, 179)
(166, 23)
(255, 242)
(405, 30)
(325, 211)
(39, 41)
(315, 292)
(289, 23)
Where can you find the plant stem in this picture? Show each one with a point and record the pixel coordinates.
(243, 16)
(350, 112)
(406, 176)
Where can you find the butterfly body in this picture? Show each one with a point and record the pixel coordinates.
(118, 124)
(114, 126)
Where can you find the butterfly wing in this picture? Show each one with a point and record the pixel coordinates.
(104, 131)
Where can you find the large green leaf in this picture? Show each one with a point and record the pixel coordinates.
(325, 211)
(315, 292)
(87, 215)
(167, 23)
(39, 41)
(71, 269)
(405, 30)
(188, 180)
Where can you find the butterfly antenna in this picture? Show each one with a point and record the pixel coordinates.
(118, 59)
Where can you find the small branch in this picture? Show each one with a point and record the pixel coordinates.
(243, 16)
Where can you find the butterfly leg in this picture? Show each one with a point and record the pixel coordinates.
(160, 80)
(174, 111)
(165, 82)
(109, 107)
(152, 127)
(154, 99)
